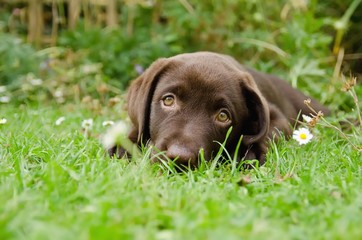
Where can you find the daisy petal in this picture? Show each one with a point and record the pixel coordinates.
(302, 136)
(107, 123)
(59, 121)
(3, 121)
(306, 118)
(87, 123)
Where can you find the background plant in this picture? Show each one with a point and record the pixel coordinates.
(56, 182)
(17, 58)
(292, 39)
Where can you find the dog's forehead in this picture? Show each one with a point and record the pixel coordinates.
(205, 76)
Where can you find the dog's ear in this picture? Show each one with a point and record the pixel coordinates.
(257, 125)
(140, 95)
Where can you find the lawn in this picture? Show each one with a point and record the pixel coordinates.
(57, 183)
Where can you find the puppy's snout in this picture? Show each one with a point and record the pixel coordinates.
(182, 154)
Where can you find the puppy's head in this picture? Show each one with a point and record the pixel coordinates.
(183, 104)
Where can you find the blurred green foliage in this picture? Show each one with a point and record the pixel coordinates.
(118, 53)
(16, 59)
(292, 39)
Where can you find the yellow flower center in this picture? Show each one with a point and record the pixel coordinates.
(303, 136)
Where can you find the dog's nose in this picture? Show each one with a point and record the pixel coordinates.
(182, 154)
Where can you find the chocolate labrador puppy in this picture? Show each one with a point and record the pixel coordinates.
(189, 102)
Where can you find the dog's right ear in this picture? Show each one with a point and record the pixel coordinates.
(140, 95)
(258, 110)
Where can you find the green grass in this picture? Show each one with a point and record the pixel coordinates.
(55, 183)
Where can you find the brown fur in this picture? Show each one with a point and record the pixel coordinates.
(260, 106)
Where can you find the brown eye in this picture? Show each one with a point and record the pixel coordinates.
(223, 117)
(168, 100)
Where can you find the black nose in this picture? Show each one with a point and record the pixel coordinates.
(182, 154)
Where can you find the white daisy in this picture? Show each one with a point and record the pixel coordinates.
(36, 81)
(2, 89)
(59, 121)
(302, 136)
(91, 68)
(107, 123)
(58, 93)
(3, 121)
(4, 99)
(87, 123)
(306, 118)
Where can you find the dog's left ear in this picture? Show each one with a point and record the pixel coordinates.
(258, 110)
(140, 96)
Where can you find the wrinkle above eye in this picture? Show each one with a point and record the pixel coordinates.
(222, 103)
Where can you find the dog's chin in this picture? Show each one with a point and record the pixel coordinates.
(158, 157)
